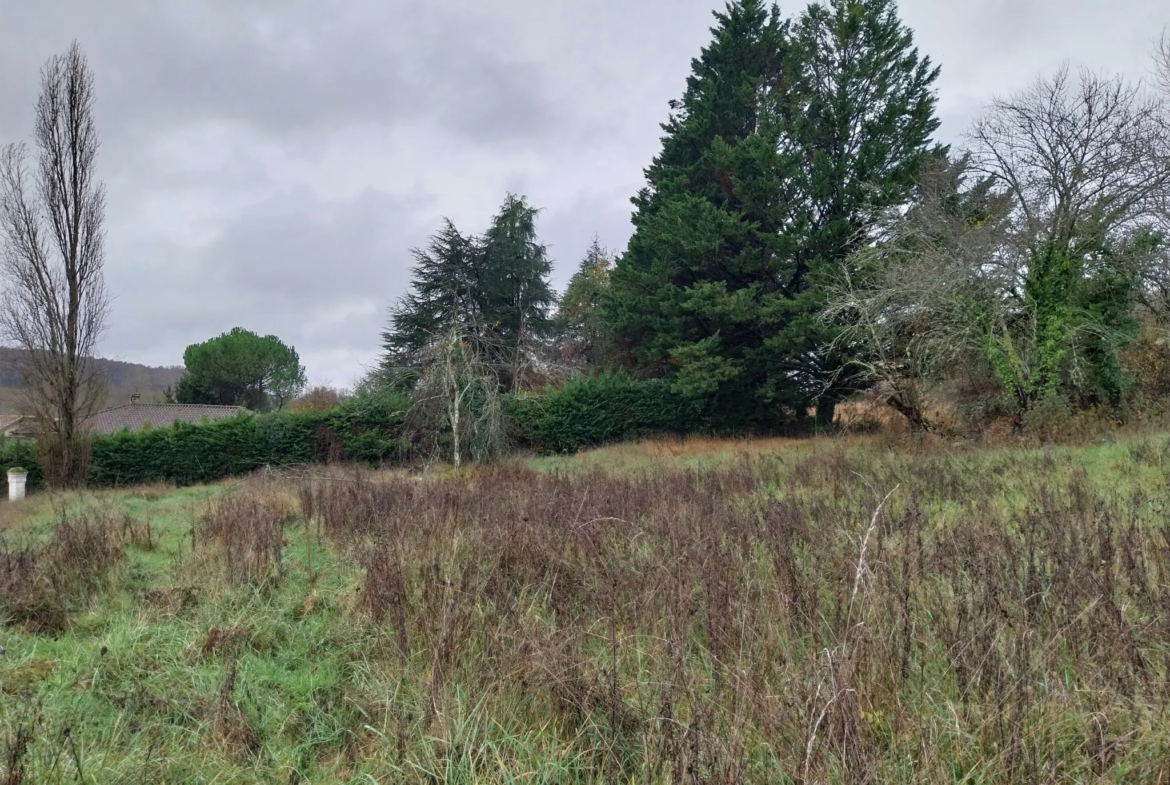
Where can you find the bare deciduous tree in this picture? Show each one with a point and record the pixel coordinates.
(912, 302)
(457, 396)
(1032, 268)
(1162, 62)
(1076, 153)
(55, 304)
(1087, 163)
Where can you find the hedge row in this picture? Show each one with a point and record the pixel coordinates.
(596, 410)
(363, 430)
(587, 412)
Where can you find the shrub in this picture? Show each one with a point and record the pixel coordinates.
(596, 410)
(1147, 362)
(363, 429)
(41, 585)
(248, 533)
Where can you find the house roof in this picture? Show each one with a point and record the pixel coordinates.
(17, 426)
(159, 415)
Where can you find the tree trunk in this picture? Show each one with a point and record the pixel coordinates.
(826, 412)
(913, 414)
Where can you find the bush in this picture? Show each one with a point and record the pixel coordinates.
(14, 453)
(596, 410)
(1147, 362)
(364, 429)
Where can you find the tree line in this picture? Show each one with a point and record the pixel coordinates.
(803, 236)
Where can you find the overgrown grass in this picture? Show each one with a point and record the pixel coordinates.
(661, 613)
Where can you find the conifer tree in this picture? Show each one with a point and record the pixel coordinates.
(688, 296)
(580, 331)
(444, 291)
(514, 291)
(858, 123)
(492, 289)
(789, 141)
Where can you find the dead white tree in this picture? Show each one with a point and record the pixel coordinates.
(54, 305)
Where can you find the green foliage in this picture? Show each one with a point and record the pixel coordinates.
(578, 322)
(788, 142)
(494, 288)
(603, 409)
(1078, 317)
(856, 129)
(517, 297)
(364, 430)
(443, 292)
(241, 368)
(574, 610)
(20, 453)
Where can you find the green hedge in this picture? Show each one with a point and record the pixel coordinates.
(17, 452)
(597, 410)
(363, 430)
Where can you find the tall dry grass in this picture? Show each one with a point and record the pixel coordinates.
(759, 623)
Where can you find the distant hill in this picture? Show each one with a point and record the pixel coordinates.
(124, 379)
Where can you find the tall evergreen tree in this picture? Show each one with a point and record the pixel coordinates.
(492, 289)
(443, 291)
(788, 142)
(514, 290)
(858, 123)
(688, 296)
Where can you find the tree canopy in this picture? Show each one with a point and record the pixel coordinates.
(790, 139)
(492, 289)
(241, 368)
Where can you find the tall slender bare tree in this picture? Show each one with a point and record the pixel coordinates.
(54, 305)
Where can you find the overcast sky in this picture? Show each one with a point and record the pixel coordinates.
(269, 163)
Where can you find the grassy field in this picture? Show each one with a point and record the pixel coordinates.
(666, 612)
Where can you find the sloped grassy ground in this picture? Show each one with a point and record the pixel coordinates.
(657, 613)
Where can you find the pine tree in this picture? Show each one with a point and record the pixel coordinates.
(857, 123)
(705, 260)
(492, 289)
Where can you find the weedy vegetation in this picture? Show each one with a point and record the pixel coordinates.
(834, 612)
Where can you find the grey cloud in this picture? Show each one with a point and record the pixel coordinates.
(270, 162)
(288, 68)
(318, 274)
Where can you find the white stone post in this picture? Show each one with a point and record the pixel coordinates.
(16, 482)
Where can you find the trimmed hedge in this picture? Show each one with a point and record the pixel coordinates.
(17, 452)
(596, 410)
(363, 430)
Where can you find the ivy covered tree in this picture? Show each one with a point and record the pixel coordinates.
(241, 368)
(1022, 262)
(1086, 228)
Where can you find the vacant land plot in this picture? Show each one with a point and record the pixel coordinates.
(769, 613)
